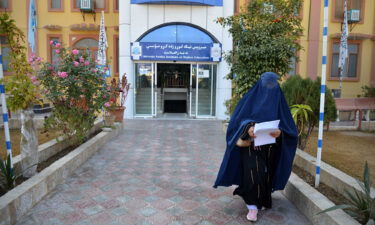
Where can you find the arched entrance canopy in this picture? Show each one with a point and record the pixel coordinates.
(177, 33)
(176, 42)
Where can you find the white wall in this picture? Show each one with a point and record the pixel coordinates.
(136, 19)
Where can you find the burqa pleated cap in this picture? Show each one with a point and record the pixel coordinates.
(269, 79)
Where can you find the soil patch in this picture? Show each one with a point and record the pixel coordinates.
(15, 138)
(346, 151)
(62, 153)
(52, 159)
(331, 194)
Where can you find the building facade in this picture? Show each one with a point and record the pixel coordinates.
(62, 20)
(360, 69)
(171, 52)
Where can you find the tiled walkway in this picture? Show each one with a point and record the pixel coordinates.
(155, 172)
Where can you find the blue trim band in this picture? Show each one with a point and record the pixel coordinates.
(322, 89)
(8, 145)
(5, 117)
(320, 143)
(325, 31)
(324, 60)
(317, 170)
(2, 89)
(325, 3)
(1, 59)
(321, 116)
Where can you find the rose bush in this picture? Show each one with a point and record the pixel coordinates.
(77, 90)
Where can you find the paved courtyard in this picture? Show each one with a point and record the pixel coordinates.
(155, 172)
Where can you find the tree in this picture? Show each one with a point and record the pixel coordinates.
(265, 38)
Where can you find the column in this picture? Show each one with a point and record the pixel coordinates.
(224, 86)
(126, 65)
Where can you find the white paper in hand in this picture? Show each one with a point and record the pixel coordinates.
(262, 132)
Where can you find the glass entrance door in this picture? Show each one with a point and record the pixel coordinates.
(202, 90)
(144, 89)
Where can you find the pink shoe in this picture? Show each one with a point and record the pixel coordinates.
(252, 215)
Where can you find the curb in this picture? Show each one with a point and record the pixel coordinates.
(310, 202)
(50, 148)
(15, 203)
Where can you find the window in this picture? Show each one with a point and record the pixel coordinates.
(55, 5)
(351, 4)
(89, 44)
(351, 64)
(51, 54)
(5, 4)
(5, 52)
(99, 4)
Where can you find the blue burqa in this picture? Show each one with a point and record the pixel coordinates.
(264, 102)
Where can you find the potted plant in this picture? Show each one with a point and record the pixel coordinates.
(114, 105)
(77, 90)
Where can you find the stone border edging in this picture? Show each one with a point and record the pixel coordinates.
(310, 202)
(329, 175)
(50, 148)
(15, 203)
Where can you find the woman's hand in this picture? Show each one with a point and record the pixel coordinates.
(251, 132)
(276, 134)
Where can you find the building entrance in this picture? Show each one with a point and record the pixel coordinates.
(162, 88)
(173, 82)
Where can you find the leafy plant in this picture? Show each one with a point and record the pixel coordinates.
(299, 91)
(114, 91)
(301, 115)
(77, 90)
(361, 205)
(22, 92)
(264, 39)
(8, 180)
(368, 91)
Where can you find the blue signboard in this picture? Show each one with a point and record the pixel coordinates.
(180, 2)
(154, 51)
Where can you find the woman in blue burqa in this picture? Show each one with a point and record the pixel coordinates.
(259, 170)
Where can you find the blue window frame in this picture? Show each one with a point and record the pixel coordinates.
(177, 33)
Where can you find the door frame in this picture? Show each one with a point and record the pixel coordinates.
(197, 64)
(154, 96)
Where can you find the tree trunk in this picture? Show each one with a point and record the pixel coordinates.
(29, 143)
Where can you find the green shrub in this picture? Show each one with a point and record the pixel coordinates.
(77, 90)
(262, 41)
(368, 91)
(307, 92)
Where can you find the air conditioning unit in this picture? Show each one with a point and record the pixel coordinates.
(354, 16)
(86, 5)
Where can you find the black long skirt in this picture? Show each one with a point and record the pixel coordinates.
(258, 167)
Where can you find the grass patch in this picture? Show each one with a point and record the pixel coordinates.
(346, 151)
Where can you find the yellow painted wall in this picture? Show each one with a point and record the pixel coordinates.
(65, 20)
(350, 88)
